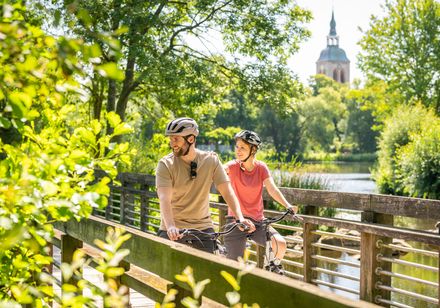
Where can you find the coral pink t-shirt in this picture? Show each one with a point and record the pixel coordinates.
(248, 186)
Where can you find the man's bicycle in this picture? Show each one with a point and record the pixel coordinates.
(201, 240)
(269, 263)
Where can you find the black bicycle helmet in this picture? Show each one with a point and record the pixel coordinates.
(249, 136)
(182, 127)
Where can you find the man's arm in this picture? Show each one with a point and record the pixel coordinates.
(165, 194)
(228, 194)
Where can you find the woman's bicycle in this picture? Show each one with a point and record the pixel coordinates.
(269, 263)
(199, 239)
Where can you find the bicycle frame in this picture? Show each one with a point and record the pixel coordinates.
(218, 248)
(269, 256)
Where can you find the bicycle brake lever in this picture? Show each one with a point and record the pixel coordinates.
(297, 218)
(243, 226)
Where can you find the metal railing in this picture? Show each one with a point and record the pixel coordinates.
(375, 278)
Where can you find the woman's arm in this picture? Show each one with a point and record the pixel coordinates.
(225, 189)
(277, 195)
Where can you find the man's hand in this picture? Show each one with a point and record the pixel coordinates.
(173, 233)
(250, 224)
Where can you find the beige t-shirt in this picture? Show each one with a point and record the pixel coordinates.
(190, 200)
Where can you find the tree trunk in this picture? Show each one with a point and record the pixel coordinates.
(127, 86)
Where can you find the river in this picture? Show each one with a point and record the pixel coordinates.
(356, 177)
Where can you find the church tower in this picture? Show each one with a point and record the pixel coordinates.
(333, 61)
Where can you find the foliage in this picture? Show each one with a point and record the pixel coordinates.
(197, 288)
(149, 153)
(360, 124)
(343, 157)
(418, 163)
(409, 137)
(237, 111)
(291, 176)
(170, 50)
(323, 119)
(47, 174)
(223, 135)
(319, 82)
(112, 294)
(377, 98)
(281, 131)
(403, 49)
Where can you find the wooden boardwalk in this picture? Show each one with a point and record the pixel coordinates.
(137, 300)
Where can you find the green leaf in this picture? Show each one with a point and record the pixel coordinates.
(96, 127)
(231, 280)
(114, 272)
(4, 122)
(113, 119)
(111, 71)
(121, 129)
(199, 287)
(49, 188)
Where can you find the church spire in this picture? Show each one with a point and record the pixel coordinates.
(332, 37)
(333, 25)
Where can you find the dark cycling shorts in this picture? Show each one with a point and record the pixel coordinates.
(201, 242)
(235, 242)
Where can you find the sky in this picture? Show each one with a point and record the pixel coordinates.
(349, 16)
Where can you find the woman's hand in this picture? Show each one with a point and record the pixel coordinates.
(250, 224)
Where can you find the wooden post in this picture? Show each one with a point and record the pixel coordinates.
(369, 264)
(109, 207)
(308, 239)
(222, 213)
(437, 225)
(144, 220)
(68, 246)
(122, 205)
(261, 250)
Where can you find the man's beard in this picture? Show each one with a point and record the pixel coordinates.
(180, 151)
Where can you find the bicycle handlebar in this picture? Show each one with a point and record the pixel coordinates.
(268, 221)
(214, 235)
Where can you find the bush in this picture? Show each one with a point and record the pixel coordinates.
(418, 164)
(406, 144)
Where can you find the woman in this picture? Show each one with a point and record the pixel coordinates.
(248, 175)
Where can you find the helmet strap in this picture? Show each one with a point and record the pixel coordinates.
(188, 143)
(250, 154)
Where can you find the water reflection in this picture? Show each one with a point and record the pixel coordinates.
(340, 268)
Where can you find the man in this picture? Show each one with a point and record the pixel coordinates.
(183, 181)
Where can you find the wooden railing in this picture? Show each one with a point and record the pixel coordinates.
(134, 204)
(153, 263)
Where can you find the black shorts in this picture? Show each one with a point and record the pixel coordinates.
(235, 242)
(201, 242)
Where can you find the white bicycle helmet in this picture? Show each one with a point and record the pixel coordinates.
(182, 127)
(249, 136)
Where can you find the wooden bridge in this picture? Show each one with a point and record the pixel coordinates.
(375, 279)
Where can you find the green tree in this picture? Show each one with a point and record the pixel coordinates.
(161, 63)
(403, 49)
(360, 124)
(282, 131)
(404, 151)
(323, 120)
(47, 174)
(237, 111)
